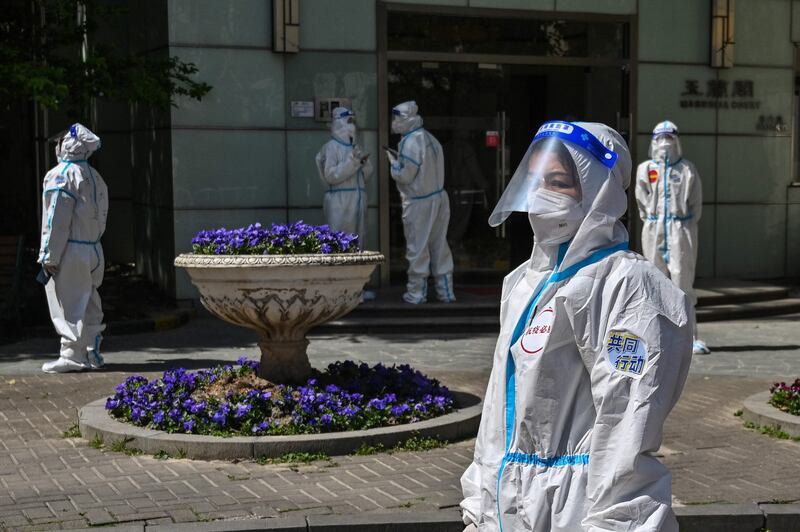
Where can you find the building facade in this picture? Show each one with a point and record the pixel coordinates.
(485, 74)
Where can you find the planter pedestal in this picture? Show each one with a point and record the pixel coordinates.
(281, 297)
(284, 361)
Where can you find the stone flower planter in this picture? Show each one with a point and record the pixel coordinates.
(281, 297)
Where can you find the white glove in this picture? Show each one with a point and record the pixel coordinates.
(471, 528)
(356, 153)
(392, 158)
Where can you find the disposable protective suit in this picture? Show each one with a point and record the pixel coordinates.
(670, 199)
(593, 352)
(344, 169)
(75, 208)
(418, 170)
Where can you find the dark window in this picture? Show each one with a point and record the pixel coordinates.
(521, 36)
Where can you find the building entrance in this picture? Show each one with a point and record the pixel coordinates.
(484, 109)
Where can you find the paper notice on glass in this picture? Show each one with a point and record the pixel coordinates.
(302, 109)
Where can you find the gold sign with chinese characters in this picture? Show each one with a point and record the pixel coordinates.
(737, 95)
(720, 94)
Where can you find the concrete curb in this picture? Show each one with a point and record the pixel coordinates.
(705, 518)
(781, 517)
(720, 518)
(95, 422)
(758, 410)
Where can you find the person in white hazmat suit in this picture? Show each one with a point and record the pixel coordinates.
(344, 170)
(670, 199)
(75, 208)
(593, 352)
(418, 169)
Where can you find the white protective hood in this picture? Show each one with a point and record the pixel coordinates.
(665, 143)
(603, 198)
(405, 117)
(78, 143)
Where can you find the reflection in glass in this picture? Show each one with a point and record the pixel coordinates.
(462, 105)
(519, 36)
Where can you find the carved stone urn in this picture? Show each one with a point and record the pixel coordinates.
(281, 297)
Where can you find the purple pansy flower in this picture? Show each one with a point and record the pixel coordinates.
(346, 396)
(278, 240)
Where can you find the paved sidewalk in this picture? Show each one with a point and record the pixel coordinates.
(47, 481)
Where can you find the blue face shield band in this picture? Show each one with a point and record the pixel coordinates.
(580, 137)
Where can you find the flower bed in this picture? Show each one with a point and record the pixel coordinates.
(291, 239)
(786, 397)
(233, 400)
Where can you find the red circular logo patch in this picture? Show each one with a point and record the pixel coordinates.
(535, 338)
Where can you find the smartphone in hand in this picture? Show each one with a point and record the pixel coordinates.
(43, 276)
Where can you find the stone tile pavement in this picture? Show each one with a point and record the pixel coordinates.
(50, 482)
(713, 458)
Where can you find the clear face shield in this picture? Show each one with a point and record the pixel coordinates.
(345, 116)
(344, 127)
(547, 183)
(397, 119)
(349, 127)
(58, 141)
(665, 146)
(663, 142)
(405, 118)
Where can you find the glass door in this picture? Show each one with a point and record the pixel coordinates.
(485, 116)
(460, 104)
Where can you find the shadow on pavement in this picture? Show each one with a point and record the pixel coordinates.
(744, 348)
(197, 336)
(157, 365)
(413, 337)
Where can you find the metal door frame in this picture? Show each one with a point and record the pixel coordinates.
(384, 56)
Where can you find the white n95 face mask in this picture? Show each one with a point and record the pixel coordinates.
(666, 149)
(554, 217)
(349, 131)
(396, 126)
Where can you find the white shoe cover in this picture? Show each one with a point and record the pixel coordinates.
(408, 297)
(699, 347)
(63, 365)
(95, 359)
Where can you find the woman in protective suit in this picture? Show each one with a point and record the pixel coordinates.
(418, 170)
(670, 199)
(593, 352)
(344, 170)
(75, 201)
